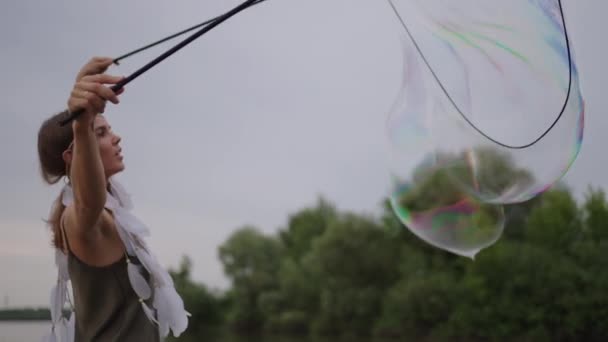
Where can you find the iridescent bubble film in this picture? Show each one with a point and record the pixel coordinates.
(505, 112)
(427, 200)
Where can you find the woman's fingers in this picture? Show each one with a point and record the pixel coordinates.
(96, 65)
(102, 78)
(95, 83)
(99, 90)
(95, 94)
(88, 102)
(98, 104)
(92, 90)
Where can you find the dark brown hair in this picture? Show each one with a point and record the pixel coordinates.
(53, 140)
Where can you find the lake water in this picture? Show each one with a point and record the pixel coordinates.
(23, 331)
(33, 332)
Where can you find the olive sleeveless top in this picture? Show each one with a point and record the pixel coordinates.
(107, 309)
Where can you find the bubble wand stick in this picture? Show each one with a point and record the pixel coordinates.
(118, 59)
(214, 22)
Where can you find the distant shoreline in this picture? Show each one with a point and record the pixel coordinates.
(25, 314)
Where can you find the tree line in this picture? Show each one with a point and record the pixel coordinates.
(343, 274)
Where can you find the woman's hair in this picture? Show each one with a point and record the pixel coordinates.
(53, 140)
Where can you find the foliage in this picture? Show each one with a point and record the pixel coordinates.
(343, 274)
(252, 261)
(205, 307)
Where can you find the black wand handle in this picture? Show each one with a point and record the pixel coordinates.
(127, 80)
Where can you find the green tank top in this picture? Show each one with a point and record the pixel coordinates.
(106, 307)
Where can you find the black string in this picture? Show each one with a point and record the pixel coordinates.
(118, 59)
(515, 147)
(71, 116)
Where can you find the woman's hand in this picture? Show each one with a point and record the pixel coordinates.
(90, 92)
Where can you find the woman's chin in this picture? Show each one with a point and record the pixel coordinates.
(118, 169)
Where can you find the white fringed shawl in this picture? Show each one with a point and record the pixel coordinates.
(168, 305)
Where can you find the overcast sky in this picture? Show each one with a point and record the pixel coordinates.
(283, 103)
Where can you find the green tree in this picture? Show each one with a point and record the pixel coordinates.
(334, 273)
(595, 215)
(555, 222)
(292, 307)
(354, 263)
(305, 226)
(251, 260)
(204, 306)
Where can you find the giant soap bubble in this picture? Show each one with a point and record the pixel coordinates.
(425, 197)
(505, 111)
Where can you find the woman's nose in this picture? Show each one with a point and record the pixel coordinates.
(117, 139)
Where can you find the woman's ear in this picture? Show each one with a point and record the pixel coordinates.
(67, 156)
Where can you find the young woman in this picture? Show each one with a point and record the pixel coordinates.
(120, 292)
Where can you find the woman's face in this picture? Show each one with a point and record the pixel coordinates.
(109, 148)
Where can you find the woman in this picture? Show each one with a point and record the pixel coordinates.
(120, 291)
